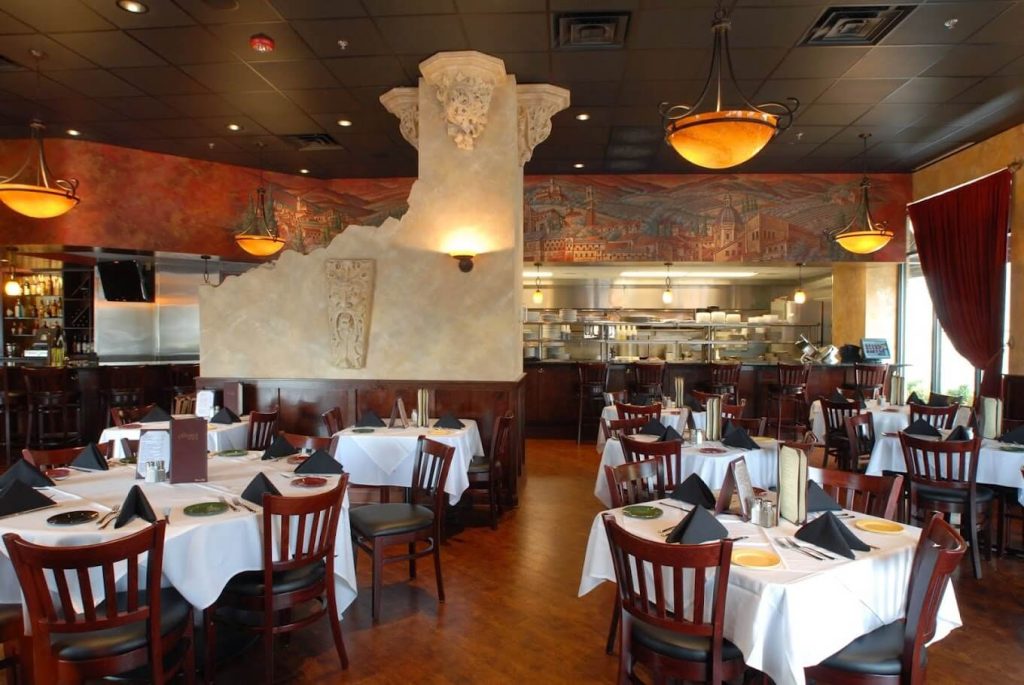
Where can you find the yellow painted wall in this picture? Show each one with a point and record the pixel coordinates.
(863, 302)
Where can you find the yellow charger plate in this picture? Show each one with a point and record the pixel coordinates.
(878, 526)
(755, 558)
(440, 431)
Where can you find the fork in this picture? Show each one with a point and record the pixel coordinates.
(111, 518)
(224, 500)
(242, 504)
(785, 544)
(813, 551)
(167, 515)
(109, 515)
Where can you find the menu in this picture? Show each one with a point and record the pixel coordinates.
(188, 451)
(792, 485)
(204, 403)
(737, 481)
(154, 446)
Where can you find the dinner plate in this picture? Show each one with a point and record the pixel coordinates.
(1011, 448)
(878, 526)
(712, 450)
(755, 558)
(644, 437)
(58, 473)
(73, 518)
(642, 511)
(891, 410)
(362, 430)
(309, 482)
(231, 453)
(297, 458)
(440, 431)
(205, 509)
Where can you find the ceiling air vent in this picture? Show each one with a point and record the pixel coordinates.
(860, 25)
(584, 31)
(312, 142)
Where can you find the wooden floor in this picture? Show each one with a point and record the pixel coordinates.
(512, 614)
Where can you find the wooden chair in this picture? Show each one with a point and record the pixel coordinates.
(15, 643)
(874, 495)
(868, 380)
(753, 426)
(142, 629)
(895, 653)
(420, 519)
(836, 442)
(733, 411)
(124, 386)
(860, 441)
(639, 411)
(725, 380)
(790, 387)
(703, 397)
(641, 450)
(183, 404)
(648, 382)
(593, 380)
(262, 427)
(676, 645)
(938, 417)
(616, 428)
(298, 573)
(59, 457)
(120, 416)
(487, 474)
(54, 412)
(944, 478)
(309, 442)
(332, 420)
(937, 399)
(616, 397)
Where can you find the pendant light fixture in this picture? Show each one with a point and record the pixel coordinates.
(863, 235)
(666, 294)
(711, 135)
(538, 296)
(32, 190)
(800, 296)
(259, 237)
(11, 287)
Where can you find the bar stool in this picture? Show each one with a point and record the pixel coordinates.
(790, 387)
(648, 382)
(868, 380)
(13, 406)
(593, 381)
(54, 414)
(725, 380)
(182, 378)
(124, 388)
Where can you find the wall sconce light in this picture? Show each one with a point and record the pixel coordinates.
(465, 262)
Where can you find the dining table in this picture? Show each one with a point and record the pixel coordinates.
(709, 460)
(887, 417)
(202, 551)
(676, 417)
(219, 436)
(383, 456)
(802, 610)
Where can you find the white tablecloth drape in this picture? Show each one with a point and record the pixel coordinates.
(201, 553)
(793, 616)
(763, 465)
(889, 419)
(677, 418)
(219, 436)
(385, 456)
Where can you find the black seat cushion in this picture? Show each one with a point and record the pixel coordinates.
(250, 583)
(680, 646)
(174, 609)
(390, 519)
(878, 652)
(940, 494)
(479, 465)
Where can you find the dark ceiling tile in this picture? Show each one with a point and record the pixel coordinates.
(247, 10)
(368, 71)
(161, 13)
(288, 46)
(380, 8)
(666, 65)
(24, 84)
(626, 166)
(318, 9)
(633, 134)
(304, 74)
(95, 83)
(924, 134)
(830, 115)
(809, 62)
(590, 151)
(1014, 68)
(672, 28)
(806, 90)
(274, 112)
(79, 109)
(518, 32)
(926, 24)
(567, 138)
(120, 130)
(897, 62)
(323, 100)
(527, 67)
(160, 80)
(599, 116)
(1005, 28)
(755, 63)
(989, 89)
(593, 5)
(635, 116)
(781, 27)
(184, 45)
(951, 115)
(422, 34)
(231, 77)
(878, 134)
(930, 89)
(17, 48)
(363, 121)
(56, 15)
(854, 90)
(9, 24)
(887, 114)
(368, 97)
(652, 93)
(182, 128)
(20, 112)
(788, 149)
(594, 93)
(144, 107)
(587, 66)
(110, 49)
(975, 60)
(807, 134)
(501, 5)
(201, 105)
(361, 35)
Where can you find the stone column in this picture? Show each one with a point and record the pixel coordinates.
(864, 301)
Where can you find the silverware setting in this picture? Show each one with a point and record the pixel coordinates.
(167, 515)
(108, 517)
(224, 500)
(813, 553)
(674, 506)
(239, 502)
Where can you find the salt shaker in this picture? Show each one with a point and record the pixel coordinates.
(755, 510)
(768, 515)
(414, 417)
(698, 437)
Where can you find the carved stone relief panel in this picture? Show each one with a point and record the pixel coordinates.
(349, 305)
(464, 82)
(404, 104)
(537, 103)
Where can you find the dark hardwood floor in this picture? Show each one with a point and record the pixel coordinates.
(512, 613)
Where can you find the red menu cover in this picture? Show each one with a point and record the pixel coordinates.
(188, 450)
(233, 396)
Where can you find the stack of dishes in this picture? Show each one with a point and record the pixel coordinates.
(533, 316)
(568, 315)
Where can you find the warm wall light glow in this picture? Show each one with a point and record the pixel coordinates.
(538, 296)
(864, 242)
(666, 296)
(36, 201)
(260, 245)
(12, 288)
(467, 240)
(719, 140)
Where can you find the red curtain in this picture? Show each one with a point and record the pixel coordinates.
(961, 239)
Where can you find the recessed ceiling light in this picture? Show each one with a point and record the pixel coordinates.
(234, 127)
(578, 165)
(582, 116)
(344, 122)
(303, 171)
(74, 132)
(132, 6)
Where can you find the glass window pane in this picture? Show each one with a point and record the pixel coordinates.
(956, 375)
(917, 342)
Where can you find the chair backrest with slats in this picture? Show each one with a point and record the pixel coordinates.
(429, 475)
(874, 495)
(700, 572)
(793, 375)
(183, 404)
(703, 397)
(299, 531)
(836, 413)
(869, 375)
(309, 442)
(649, 373)
(593, 376)
(939, 417)
(941, 463)
(639, 450)
(123, 415)
(725, 374)
(262, 427)
(753, 426)
(616, 428)
(57, 457)
(45, 379)
(733, 411)
(500, 445)
(860, 434)
(639, 411)
(937, 399)
(641, 481)
(332, 420)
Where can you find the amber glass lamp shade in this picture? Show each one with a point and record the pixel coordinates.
(719, 140)
(37, 202)
(259, 245)
(865, 241)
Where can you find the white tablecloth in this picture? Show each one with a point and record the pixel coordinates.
(886, 420)
(201, 553)
(385, 456)
(995, 466)
(669, 417)
(803, 611)
(763, 465)
(219, 436)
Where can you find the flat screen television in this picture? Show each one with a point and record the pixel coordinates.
(126, 281)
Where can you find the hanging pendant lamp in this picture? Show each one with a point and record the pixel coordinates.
(800, 296)
(259, 237)
(712, 135)
(538, 296)
(11, 287)
(863, 235)
(666, 294)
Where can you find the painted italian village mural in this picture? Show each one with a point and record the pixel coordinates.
(192, 206)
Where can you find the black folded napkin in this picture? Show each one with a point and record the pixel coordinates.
(1015, 436)
(369, 419)
(225, 415)
(922, 427)
(90, 459)
(861, 401)
(828, 533)
(320, 463)
(694, 491)
(157, 413)
(448, 420)
(691, 402)
(653, 427)
(280, 447)
(839, 398)
(914, 399)
(958, 434)
(819, 500)
(935, 401)
(699, 526)
(737, 436)
(26, 473)
(16, 497)
(670, 434)
(135, 504)
(257, 487)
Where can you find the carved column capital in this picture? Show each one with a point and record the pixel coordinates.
(537, 103)
(464, 82)
(404, 103)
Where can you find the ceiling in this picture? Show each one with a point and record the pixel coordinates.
(172, 79)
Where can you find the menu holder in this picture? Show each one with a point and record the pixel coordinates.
(398, 415)
(188, 451)
(990, 417)
(793, 485)
(422, 408)
(205, 402)
(713, 425)
(154, 446)
(680, 387)
(736, 482)
(897, 388)
(233, 396)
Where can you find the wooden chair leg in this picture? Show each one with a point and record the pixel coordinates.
(332, 616)
(972, 525)
(210, 637)
(188, 665)
(412, 560)
(492, 496)
(437, 571)
(268, 648)
(378, 578)
(579, 419)
(613, 627)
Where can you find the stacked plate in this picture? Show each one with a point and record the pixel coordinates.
(568, 315)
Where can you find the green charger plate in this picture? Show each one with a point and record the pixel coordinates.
(362, 430)
(231, 453)
(1006, 447)
(642, 511)
(205, 509)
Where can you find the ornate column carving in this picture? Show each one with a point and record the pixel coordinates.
(404, 103)
(537, 103)
(464, 83)
(349, 285)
